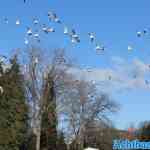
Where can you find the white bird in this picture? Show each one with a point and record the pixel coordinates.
(75, 38)
(73, 32)
(92, 36)
(57, 20)
(49, 29)
(66, 31)
(53, 17)
(99, 48)
(26, 41)
(1, 90)
(36, 35)
(130, 48)
(29, 31)
(50, 15)
(17, 22)
(44, 28)
(139, 34)
(35, 21)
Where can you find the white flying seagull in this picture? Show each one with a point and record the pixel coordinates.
(49, 29)
(57, 20)
(17, 22)
(92, 36)
(35, 21)
(53, 17)
(26, 42)
(29, 31)
(36, 35)
(99, 48)
(44, 28)
(75, 38)
(139, 34)
(73, 32)
(66, 31)
(130, 48)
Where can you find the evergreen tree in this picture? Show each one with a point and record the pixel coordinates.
(13, 107)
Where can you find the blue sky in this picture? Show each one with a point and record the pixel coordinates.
(115, 24)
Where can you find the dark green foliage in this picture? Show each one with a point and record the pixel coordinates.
(13, 108)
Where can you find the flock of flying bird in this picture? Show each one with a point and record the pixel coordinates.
(52, 17)
(71, 33)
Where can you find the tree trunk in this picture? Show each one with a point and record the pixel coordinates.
(37, 131)
(38, 139)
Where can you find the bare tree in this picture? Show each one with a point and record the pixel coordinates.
(40, 76)
(82, 103)
(77, 101)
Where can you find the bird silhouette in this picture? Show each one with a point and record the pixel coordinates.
(99, 48)
(35, 21)
(29, 31)
(145, 31)
(91, 36)
(44, 28)
(139, 34)
(53, 17)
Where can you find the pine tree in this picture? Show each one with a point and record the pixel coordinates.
(13, 107)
